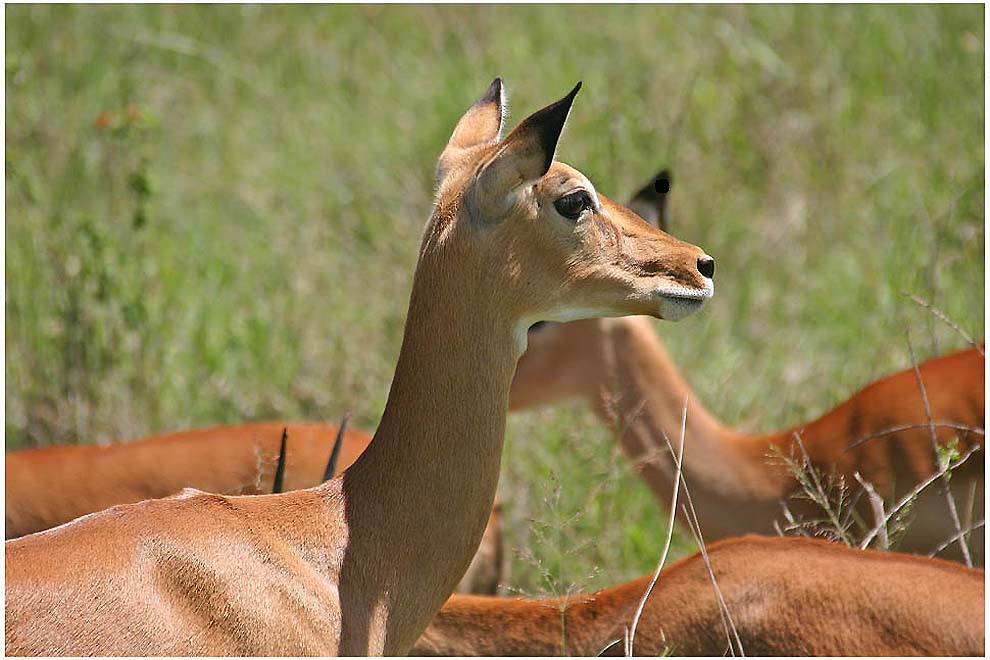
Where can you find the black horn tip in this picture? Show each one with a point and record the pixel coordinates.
(280, 467)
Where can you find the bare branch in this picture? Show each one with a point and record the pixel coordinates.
(949, 499)
(952, 539)
(939, 314)
(876, 503)
(901, 503)
(921, 425)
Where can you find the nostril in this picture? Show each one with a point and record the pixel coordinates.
(706, 266)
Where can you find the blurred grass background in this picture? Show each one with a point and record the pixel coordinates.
(213, 215)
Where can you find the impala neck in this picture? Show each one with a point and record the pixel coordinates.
(418, 498)
(642, 396)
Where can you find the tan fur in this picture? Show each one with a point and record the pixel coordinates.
(50, 486)
(786, 597)
(360, 564)
(620, 367)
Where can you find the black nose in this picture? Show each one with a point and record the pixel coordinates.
(706, 266)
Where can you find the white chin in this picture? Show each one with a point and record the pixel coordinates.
(675, 308)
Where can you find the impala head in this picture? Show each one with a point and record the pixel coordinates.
(565, 360)
(551, 247)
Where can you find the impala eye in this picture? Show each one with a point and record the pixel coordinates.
(572, 205)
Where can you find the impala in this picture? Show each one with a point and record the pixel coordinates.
(622, 370)
(783, 597)
(47, 486)
(360, 564)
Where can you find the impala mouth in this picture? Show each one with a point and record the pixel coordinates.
(676, 302)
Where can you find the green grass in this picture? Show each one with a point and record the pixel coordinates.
(237, 241)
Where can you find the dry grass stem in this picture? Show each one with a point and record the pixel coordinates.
(819, 495)
(691, 515)
(728, 625)
(876, 504)
(952, 539)
(942, 316)
(907, 427)
(908, 498)
(949, 499)
(670, 533)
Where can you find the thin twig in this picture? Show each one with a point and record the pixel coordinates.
(691, 515)
(793, 524)
(949, 541)
(914, 493)
(939, 314)
(921, 425)
(970, 503)
(949, 499)
(607, 647)
(876, 503)
(670, 534)
(728, 625)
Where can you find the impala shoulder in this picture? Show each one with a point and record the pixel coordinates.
(186, 493)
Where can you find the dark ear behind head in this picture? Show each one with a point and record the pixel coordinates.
(662, 183)
(651, 200)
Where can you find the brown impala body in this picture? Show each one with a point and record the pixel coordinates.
(785, 597)
(623, 371)
(617, 365)
(359, 565)
(48, 486)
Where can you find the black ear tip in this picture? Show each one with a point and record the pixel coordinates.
(494, 91)
(565, 103)
(662, 183)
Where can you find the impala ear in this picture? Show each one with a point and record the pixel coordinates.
(480, 126)
(650, 203)
(527, 152)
